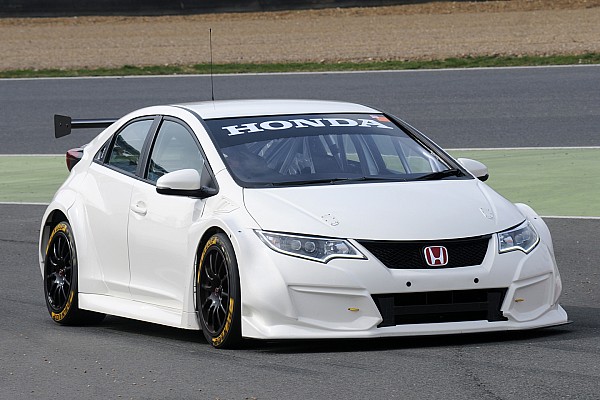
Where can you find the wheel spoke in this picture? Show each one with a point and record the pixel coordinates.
(60, 248)
(52, 292)
(225, 280)
(210, 270)
(213, 290)
(52, 258)
(217, 326)
(59, 271)
(55, 249)
(221, 264)
(64, 248)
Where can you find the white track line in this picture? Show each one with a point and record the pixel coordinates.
(568, 217)
(525, 148)
(307, 73)
(19, 203)
(31, 155)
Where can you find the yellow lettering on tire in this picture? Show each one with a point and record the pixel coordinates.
(60, 227)
(219, 339)
(60, 316)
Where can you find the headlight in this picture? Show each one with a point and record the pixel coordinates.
(523, 237)
(312, 248)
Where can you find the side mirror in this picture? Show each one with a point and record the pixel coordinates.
(184, 182)
(477, 169)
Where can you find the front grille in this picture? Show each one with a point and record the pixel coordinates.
(411, 255)
(436, 307)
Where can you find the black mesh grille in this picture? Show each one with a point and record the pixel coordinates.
(410, 255)
(437, 307)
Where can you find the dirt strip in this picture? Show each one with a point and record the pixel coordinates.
(432, 30)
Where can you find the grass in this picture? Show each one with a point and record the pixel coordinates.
(554, 182)
(31, 178)
(465, 62)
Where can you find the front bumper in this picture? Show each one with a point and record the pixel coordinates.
(284, 297)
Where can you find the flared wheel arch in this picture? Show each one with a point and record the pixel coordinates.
(57, 225)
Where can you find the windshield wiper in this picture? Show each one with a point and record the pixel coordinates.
(439, 175)
(333, 181)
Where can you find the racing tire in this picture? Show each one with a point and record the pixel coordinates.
(60, 279)
(218, 293)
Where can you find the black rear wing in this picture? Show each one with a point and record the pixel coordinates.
(63, 124)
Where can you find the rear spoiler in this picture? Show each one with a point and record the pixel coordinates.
(63, 124)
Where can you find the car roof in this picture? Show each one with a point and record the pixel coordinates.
(247, 108)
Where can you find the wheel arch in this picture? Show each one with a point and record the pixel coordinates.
(208, 233)
(52, 219)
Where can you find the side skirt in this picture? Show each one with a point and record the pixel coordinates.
(138, 310)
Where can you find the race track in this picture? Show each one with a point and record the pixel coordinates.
(517, 107)
(128, 359)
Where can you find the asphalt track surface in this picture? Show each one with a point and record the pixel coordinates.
(128, 359)
(518, 107)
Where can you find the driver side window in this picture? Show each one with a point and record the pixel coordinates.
(174, 149)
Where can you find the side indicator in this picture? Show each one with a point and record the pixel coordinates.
(353, 309)
(519, 300)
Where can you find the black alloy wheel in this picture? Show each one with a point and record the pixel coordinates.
(59, 271)
(218, 294)
(60, 279)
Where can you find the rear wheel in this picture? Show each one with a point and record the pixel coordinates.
(60, 279)
(218, 293)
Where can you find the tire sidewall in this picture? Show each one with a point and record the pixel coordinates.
(230, 334)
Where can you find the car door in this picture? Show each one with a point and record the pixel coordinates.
(160, 251)
(106, 193)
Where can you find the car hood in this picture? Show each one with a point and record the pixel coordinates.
(424, 210)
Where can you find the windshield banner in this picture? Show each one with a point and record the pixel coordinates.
(234, 131)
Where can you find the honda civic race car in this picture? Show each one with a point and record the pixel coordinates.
(288, 219)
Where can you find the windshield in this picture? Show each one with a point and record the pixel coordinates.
(320, 149)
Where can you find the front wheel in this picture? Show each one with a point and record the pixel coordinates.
(218, 293)
(60, 279)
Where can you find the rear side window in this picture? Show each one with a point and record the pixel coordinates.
(127, 148)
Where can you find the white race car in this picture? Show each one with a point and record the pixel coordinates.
(289, 219)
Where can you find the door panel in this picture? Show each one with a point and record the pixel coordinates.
(107, 195)
(160, 251)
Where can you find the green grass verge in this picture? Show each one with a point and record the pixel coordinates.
(31, 178)
(466, 62)
(554, 182)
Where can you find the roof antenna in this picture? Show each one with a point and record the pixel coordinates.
(212, 86)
